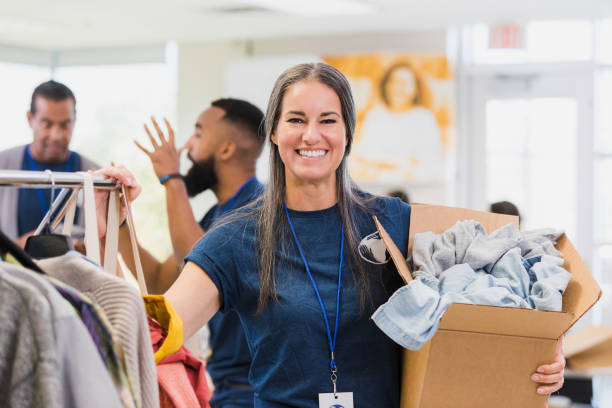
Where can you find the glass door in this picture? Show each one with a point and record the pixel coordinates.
(531, 146)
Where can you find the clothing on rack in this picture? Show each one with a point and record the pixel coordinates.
(181, 376)
(160, 310)
(83, 376)
(101, 338)
(10, 259)
(412, 315)
(29, 367)
(124, 308)
(101, 332)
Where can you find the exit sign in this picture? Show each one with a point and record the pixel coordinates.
(506, 36)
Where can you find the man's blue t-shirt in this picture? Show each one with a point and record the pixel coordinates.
(230, 361)
(33, 203)
(288, 340)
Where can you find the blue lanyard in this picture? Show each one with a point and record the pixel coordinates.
(228, 206)
(44, 206)
(332, 343)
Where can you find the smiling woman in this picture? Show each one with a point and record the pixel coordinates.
(288, 263)
(311, 139)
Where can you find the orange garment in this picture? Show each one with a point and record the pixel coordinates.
(160, 310)
(181, 376)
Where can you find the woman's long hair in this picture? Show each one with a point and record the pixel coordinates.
(272, 220)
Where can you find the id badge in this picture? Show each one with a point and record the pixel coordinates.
(340, 400)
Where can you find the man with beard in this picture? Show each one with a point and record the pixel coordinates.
(51, 117)
(224, 148)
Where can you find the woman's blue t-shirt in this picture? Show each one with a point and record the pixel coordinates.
(288, 340)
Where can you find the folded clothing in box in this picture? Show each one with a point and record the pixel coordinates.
(465, 265)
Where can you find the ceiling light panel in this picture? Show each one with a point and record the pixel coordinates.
(317, 8)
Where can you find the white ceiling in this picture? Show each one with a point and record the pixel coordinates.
(63, 24)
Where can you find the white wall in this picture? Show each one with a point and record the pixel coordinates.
(199, 82)
(201, 66)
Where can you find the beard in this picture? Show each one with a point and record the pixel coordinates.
(201, 176)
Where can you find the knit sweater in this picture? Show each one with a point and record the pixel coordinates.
(85, 381)
(29, 375)
(124, 308)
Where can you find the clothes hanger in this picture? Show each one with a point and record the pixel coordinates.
(47, 244)
(8, 246)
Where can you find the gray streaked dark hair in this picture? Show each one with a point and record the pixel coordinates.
(53, 91)
(272, 222)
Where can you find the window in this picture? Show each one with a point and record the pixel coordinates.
(523, 168)
(113, 103)
(603, 201)
(17, 82)
(603, 95)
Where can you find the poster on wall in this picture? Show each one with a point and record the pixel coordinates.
(405, 130)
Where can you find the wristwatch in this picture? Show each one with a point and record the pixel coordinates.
(167, 177)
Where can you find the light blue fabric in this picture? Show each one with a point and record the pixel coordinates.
(412, 315)
(547, 291)
(511, 268)
(467, 242)
(540, 242)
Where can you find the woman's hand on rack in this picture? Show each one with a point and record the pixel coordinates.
(124, 177)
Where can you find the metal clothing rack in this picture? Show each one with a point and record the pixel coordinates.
(68, 182)
(38, 179)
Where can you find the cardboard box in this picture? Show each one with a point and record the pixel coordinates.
(484, 356)
(589, 351)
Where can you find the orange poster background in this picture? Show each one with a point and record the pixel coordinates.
(370, 75)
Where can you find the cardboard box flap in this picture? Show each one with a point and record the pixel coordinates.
(582, 292)
(437, 219)
(516, 322)
(585, 339)
(396, 254)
